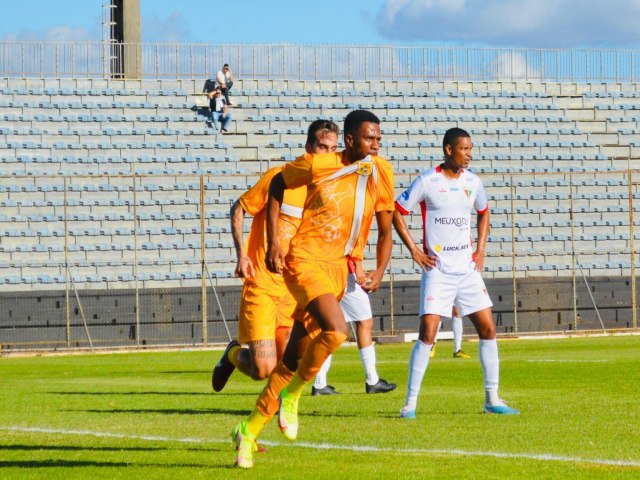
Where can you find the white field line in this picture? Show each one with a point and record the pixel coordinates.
(510, 360)
(550, 360)
(544, 457)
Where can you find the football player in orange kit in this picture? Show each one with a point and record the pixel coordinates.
(266, 307)
(344, 191)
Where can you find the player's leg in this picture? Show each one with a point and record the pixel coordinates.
(267, 403)
(356, 306)
(286, 311)
(258, 360)
(325, 311)
(476, 304)
(258, 317)
(437, 293)
(432, 353)
(419, 361)
(320, 385)
(266, 319)
(364, 337)
(456, 327)
(246, 432)
(318, 286)
(282, 337)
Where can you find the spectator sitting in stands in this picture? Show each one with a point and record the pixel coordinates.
(225, 81)
(219, 110)
(209, 85)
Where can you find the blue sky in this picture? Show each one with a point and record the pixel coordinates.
(517, 23)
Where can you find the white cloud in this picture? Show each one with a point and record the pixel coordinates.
(512, 65)
(170, 30)
(67, 34)
(55, 34)
(532, 23)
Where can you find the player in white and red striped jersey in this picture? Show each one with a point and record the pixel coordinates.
(447, 194)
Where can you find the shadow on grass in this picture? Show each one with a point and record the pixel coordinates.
(169, 411)
(208, 411)
(76, 448)
(316, 413)
(189, 394)
(81, 463)
(194, 394)
(73, 448)
(185, 372)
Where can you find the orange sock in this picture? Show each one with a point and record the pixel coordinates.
(267, 403)
(318, 351)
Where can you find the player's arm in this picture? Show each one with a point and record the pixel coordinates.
(383, 251)
(244, 265)
(275, 255)
(483, 233)
(361, 275)
(423, 260)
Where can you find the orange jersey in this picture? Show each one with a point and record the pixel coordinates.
(326, 232)
(254, 202)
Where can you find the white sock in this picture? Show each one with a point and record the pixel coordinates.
(417, 367)
(488, 353)
(321, 377)
(368, 357)
(456, 326)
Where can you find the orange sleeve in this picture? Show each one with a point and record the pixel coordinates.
(298, 172)
(255, 199)
(385, 201)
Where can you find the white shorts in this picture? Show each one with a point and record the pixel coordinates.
(439, 291)
(355, 302)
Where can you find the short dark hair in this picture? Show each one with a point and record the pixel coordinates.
(226, 65)
(321, 125)
(452, 135)
(355, 119)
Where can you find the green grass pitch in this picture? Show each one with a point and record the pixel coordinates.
(153, 415)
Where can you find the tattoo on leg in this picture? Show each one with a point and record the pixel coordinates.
(264, 349)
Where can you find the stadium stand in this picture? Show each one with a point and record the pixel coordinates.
(71, 130)
(114, 171)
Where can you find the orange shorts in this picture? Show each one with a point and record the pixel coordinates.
(263, 310)
(308, 280)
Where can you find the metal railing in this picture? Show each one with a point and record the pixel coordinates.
(319, 62)
(115, 261)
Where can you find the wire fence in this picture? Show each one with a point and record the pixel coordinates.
(131, 261)
(316, 62)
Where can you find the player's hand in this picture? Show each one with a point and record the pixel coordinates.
(372, 281)
(245, 268)
(361, 275)
(424, 261)
(274, 259)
